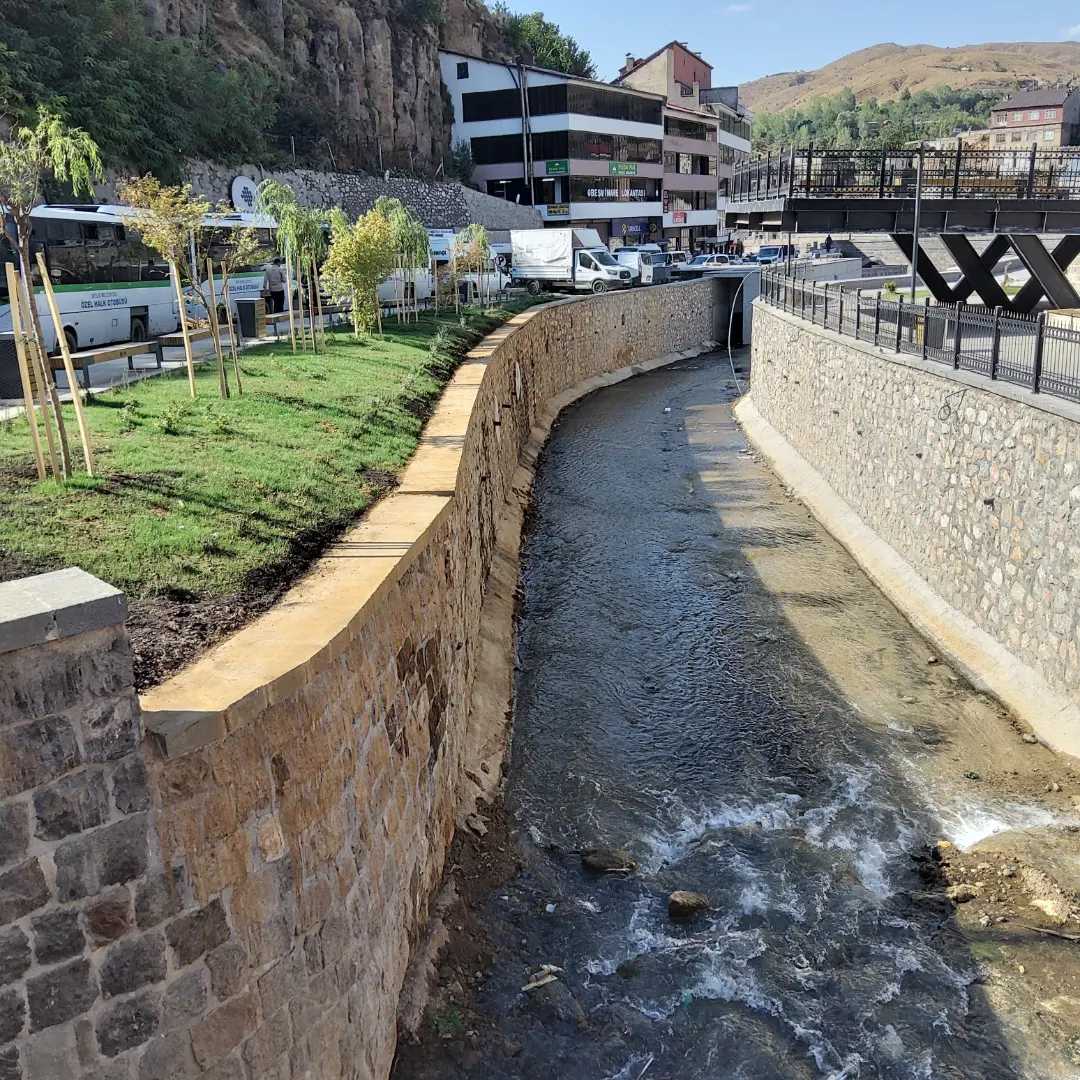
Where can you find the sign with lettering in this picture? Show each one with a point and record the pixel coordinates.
(557, 168)
(622, 168)
(614, 194)
(678, 217)
(558, 210)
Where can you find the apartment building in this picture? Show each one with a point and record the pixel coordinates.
(582, 152)
(706, 131)
(1042, 118)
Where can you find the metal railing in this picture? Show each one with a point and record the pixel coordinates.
(1027, 350)
(890, 174)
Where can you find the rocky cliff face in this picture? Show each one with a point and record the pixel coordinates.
(360, 78)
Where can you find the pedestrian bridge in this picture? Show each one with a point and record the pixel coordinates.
(1015, 195)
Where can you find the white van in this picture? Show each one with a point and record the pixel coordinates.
(648, 267)
(565, 259)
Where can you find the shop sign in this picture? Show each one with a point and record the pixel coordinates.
(622, 168)
(678, 217)
(558, 210)
(557, 168)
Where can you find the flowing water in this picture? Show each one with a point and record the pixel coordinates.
(706, 679)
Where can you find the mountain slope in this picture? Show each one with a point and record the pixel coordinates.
(883, 71)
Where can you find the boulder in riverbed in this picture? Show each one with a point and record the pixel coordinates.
(608, 861)
(683, 904)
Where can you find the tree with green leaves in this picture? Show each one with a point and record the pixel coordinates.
(27, 158)
(361, 255)
(413, 251)
(543, 40)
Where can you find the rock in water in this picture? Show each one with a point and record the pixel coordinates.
(608, 861)
(682, 904)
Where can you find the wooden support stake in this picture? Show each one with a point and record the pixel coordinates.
(174, 271)
(69, 367)
(300, 301)
(215, 330)
(227, 300)
(24, 373)
(318, 299)
(288, 304)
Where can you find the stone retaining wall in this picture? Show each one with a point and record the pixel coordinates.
(975, 484)
(228, 882)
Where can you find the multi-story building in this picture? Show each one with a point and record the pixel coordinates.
(706, 131)
(1042, 118)
(583, 152)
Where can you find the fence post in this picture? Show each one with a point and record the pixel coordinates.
(926, 327)
(1036, 376)
(813, 302)
(956, 341)
(858, 312)
(1031, 174)
(877, 317)
(899, 319)
(881, 175)
(768, 172)
(802, 300)
(791, 170)
(956, 168)
(825, 315)
(995, 343)
(840, 311)
(809, 162)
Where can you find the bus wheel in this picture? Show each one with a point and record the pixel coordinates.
(534, 288)
(599, 286)
(72, 339)
(138, 330)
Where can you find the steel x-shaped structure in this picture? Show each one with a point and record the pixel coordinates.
(1047, 270)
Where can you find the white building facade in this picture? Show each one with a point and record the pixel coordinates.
(582, 152)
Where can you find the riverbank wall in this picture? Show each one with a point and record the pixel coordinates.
(226, 879)
(958, 494)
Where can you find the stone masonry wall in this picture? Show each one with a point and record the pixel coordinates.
(235, 893)
(974, 483)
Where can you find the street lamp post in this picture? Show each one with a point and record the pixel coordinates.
(915, 229)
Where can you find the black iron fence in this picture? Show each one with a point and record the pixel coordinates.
(891, 174)
(1029, 350)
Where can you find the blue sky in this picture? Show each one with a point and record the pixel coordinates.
(743, 39)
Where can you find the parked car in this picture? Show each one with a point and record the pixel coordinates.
(700, 264)
(676, 258)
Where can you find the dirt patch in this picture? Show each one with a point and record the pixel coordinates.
(452, 1034)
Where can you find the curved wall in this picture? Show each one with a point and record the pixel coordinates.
(236, 895)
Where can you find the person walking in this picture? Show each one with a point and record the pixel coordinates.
(273, 286)
(828, 244)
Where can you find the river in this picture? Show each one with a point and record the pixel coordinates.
(707, 680)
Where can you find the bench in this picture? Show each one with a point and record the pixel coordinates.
(176, 341)
(85, 358)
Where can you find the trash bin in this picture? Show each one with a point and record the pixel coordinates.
(252, 317)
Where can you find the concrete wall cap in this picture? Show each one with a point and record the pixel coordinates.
(49, 607)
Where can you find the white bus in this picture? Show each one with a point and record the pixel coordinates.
(109, 286)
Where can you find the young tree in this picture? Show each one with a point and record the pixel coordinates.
(361, 256)
(410, 240)
(26, 158)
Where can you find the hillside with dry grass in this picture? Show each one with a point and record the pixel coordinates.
(884, 71)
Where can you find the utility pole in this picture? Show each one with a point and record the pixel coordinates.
(915, 230)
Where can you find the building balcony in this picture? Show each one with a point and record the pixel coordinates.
(586, 211)
(676, 218)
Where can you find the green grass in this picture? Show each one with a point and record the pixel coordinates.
(210, 497)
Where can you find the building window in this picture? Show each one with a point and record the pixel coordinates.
(1048, 135)
(613, 189)
(1018, 116)
(1033, 114)
(1000, 139)
(506, 104)
(593, 146)
(612, 105)
(689, 200)
(463, 69)
(1016, 135)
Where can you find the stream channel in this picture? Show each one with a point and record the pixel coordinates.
(706, 679)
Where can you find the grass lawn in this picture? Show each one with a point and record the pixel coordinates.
(212, 497)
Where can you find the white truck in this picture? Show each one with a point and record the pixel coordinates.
(565, 259)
